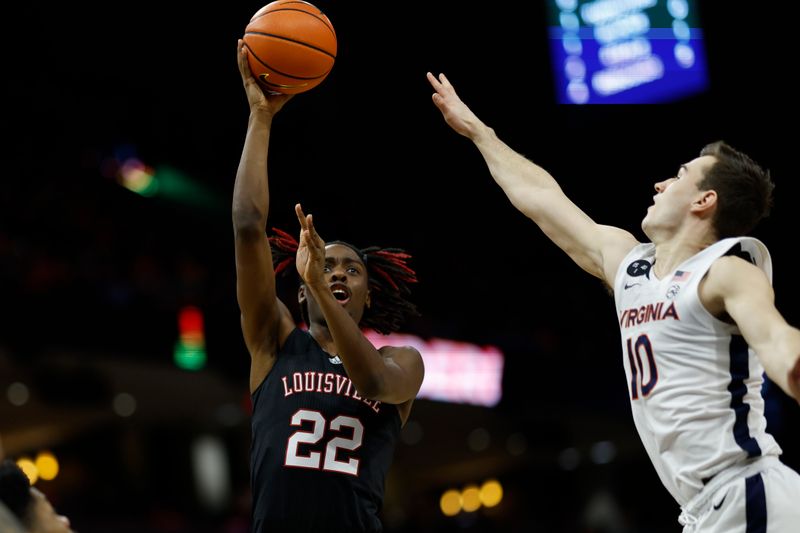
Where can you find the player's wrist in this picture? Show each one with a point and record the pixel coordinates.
(317, 286)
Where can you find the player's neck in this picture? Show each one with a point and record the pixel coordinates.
(672, 252)
(323, 336)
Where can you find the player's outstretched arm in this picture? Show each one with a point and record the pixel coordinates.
(261, 312)
(391, 374)
(742, 290)
(595, 248)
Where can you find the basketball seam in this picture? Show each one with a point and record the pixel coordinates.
(281, 85)
(315, 15)
(291, 41)
(276, 71)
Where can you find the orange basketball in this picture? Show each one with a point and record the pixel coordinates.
(291, 46)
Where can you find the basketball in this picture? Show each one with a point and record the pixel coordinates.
(291, 46)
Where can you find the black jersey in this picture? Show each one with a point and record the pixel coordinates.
(320, 451)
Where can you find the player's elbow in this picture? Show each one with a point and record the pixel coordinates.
(371, 385)
(522, 198)
(248, 221)
(536, 202)
(395, 385)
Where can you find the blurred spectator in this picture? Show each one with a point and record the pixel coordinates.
(8, 524)
(27, 504)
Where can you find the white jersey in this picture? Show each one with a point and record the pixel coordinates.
(695, 386)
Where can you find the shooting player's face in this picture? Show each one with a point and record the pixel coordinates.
(347, 279)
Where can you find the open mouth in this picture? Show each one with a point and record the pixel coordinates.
(341, 293)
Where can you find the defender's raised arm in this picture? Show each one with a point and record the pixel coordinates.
(595, 248)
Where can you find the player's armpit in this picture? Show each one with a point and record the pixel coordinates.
(615, 245)
(794, 380)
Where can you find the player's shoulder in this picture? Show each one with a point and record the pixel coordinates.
(388, 350)
(732, 265)
(405, 352)
(636, 261)
(733, 270)
(740, 255)
(748, 248)
(617, 243)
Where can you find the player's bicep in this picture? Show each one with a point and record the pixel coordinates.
(404, 372)
(748, 299)
(598, 249)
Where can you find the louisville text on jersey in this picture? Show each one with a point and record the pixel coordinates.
(325, 382)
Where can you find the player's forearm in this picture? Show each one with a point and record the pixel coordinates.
(363, 362)
(525, 183)
(251, 190)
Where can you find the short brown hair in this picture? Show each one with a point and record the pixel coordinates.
(744, 190)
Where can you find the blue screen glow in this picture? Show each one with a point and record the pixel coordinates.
(626, 51)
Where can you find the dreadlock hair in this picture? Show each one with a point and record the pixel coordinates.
(388, 276)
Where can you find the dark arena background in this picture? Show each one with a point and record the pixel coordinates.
(123, 373)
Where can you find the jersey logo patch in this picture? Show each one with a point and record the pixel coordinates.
(673, 291)
(640, 267)
(629, 285)
(335, 360)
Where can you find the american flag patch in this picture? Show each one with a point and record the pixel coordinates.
(681, 275)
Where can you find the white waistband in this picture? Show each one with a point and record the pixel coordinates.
(696, 505)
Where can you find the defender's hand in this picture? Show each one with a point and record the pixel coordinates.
(455, 112)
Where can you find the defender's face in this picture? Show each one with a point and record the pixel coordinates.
(674, 196)
(347, 279)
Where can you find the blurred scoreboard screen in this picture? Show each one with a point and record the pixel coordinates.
(626, 51)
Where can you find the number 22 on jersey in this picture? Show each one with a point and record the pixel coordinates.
(642, 363)
(314, 459)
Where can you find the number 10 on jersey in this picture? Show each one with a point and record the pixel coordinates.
(640, 351)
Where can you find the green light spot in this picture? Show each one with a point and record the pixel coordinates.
(190, 357)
